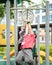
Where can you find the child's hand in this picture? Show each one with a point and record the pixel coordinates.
(28, 22)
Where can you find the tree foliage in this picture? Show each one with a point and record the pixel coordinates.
(2, 9)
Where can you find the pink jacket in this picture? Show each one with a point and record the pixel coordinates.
(28, 41)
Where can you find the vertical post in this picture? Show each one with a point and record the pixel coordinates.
(51, 34)
(8, 31)
(47, 33)
(38, 39)
(15, 28)
(27, 14)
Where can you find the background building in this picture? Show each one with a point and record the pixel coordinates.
(42, 19)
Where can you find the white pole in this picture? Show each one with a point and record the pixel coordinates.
(38, 39)
(47, 33)
(8, 32)
(15, 28)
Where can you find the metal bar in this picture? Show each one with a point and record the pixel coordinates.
(38, 39)
(27, 14)
(31, 8)
(8, 31)
(47, 33)
(51, 35)
(15, 29)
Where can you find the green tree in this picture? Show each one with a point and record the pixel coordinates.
(2, 10)
(43, 2)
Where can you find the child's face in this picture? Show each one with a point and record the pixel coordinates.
(22, 28)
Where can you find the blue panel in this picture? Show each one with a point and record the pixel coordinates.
(43, 18)
(50, 17)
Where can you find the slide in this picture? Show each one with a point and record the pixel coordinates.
(11, 54)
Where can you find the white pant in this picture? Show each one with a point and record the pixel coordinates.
(26, 55)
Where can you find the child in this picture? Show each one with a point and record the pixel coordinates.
(27, 44)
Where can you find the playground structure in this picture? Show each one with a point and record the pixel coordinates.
(3, 42)
(16, 30)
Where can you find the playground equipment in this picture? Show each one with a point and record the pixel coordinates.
(42, 54)
(16, 30)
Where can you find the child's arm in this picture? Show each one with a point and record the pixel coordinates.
(30, 28)
(26, 29)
